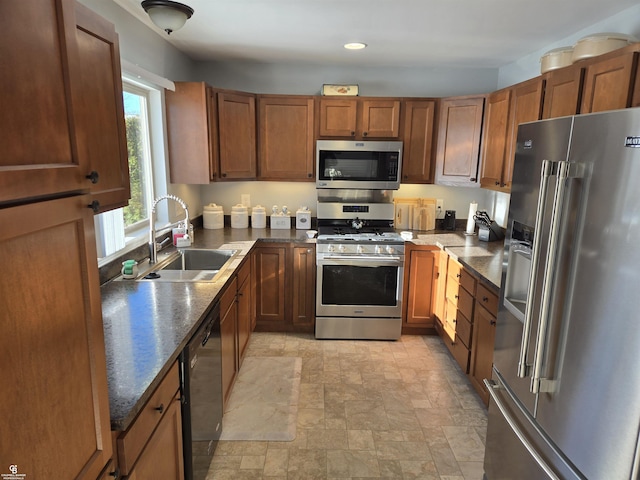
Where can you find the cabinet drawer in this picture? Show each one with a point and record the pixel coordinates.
(463, 329)
(487, 299)
(468, 281)
(453, 269)
(228, 297)
(452, 291)
(461, 354)
(131, 443)
(465, 303)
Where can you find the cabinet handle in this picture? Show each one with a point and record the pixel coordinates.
(473, 179)
(456, 296)
(93, 176)
(353, 134)
(497, 183)
(492, 322)
(160, 409)
(485, 299)
(457, 275)
(224, 174)
(95, 206)
(309, 175)
(364, 134)
(115, 473)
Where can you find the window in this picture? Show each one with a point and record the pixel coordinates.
(127, 227)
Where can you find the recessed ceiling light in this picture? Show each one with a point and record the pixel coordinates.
(355, 46)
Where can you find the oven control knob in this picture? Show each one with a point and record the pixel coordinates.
(390, 249)
(342, 248)
(360, 249)
(378, 249)
(331, 248)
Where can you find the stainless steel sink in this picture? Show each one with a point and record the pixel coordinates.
(188, 265)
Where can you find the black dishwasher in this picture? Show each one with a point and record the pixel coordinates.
(201, 371)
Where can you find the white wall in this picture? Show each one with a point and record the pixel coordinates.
(527, 67)
(373, 81)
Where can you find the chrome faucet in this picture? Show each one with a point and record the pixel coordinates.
(153, 246)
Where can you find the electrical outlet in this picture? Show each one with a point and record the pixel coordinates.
(439, 205)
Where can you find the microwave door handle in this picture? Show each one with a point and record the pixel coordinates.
(548, 169)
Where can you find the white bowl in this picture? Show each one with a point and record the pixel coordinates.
(311, 233)
(406, 235)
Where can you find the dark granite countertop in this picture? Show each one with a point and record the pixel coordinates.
(147, 324)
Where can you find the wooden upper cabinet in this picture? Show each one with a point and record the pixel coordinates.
(359, 118)
(506, 109)
(237, 135)
(380, 118)
(338, 117)
(192, 117)
(285, 137)
(98, 109)
(562, 92)
(496, 138)
(608, 83)
(526, 106)
(418, 151)
(458, 150)
(39, 80)
(57, 417)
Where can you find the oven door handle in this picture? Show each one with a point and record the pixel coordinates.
(356, 257)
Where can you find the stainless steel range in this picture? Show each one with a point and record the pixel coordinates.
(360, 268)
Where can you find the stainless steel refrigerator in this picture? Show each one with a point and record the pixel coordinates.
(565, 391)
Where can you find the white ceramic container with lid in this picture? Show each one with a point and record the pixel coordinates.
(258, 217)
(239, 216)
(213, 217)
(303, 218)
(556, 58)
(599, 43)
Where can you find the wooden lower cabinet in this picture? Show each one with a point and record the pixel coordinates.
(162, 457)
(229, 339)
(55, 407)
(420, 287)
(484, 330)
(152, 445)
(284, 279)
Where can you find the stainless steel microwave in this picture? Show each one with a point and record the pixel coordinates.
(358, 164)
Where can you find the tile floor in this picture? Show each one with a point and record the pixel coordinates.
(367, 410)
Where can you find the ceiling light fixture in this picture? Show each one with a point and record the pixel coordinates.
(355, 46)
(167, 15)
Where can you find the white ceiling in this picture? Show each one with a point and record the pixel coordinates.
(413, 33)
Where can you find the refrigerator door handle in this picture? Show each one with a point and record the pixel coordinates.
(537, 382)
(548, 169)
(492, 387)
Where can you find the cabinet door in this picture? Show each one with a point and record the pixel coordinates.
(269, 271)
(458, 151)
(562, 91)
(607, 84)
(191, 133)
(526, 106)
(380, 118)
(417, 152)
(442, 259)
(40, 69)
(162, 458)
(55, 413)
(286, 138)
(244, 309)
(98, 110)
(304, 288)
(496, 136)
(338, 117)
(228, 339)
(420, 299)
(484, 329)
(237, 135)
